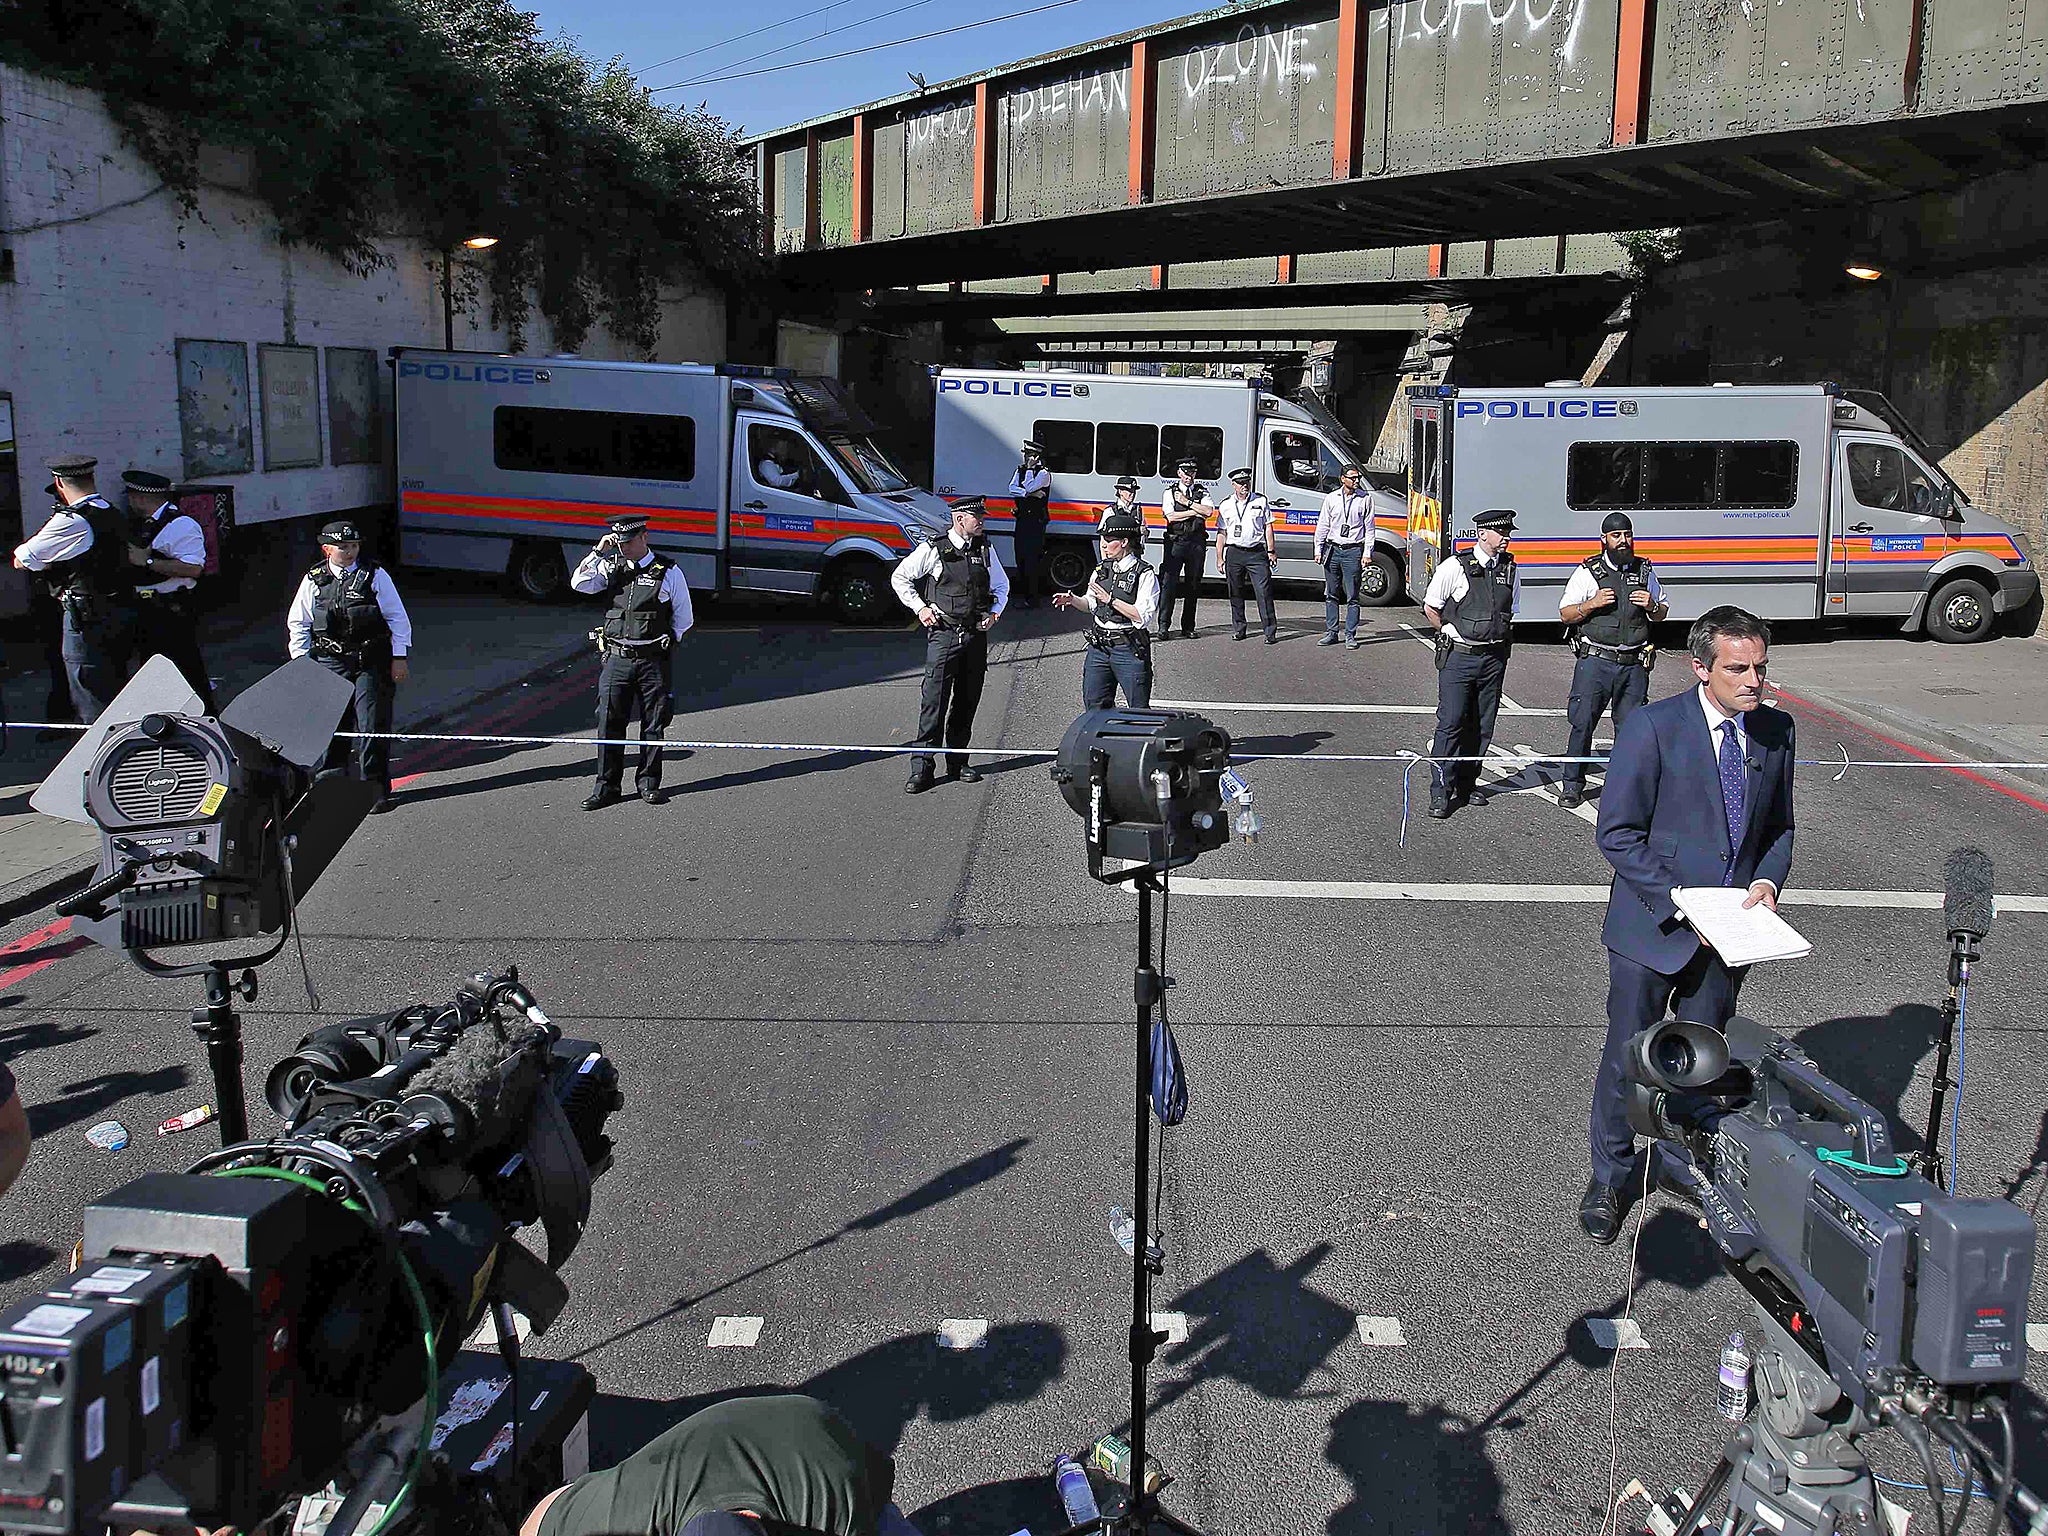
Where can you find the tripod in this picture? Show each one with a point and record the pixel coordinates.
(220, 1027)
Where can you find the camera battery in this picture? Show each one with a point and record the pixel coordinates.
(474, 1429)
(160, 1294)
(71, 1383)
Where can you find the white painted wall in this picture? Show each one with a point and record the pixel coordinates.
(107, 279)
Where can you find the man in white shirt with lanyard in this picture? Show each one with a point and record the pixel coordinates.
(1343, 532)
(168, 544)
(1244, 553)
(1122, 599)
(1472, 600)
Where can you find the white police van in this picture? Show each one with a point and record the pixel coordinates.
(1795, 501)
(1096, 427)
(755, 479)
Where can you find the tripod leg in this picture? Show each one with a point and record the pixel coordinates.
(1696, 1516)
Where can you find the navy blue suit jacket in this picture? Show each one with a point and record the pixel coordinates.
(1662, 823)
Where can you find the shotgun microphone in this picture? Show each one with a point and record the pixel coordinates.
(1966, 904)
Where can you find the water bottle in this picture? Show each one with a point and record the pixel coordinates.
(1731, 1401)
(1124, 1228)
(1071, 1478)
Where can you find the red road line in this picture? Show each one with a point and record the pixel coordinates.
(40, 958)
(1925, 757)
(444, 755)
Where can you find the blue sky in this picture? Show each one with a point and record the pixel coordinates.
(646, 35)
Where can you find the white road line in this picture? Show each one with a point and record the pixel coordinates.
(1507, 705)
(1513, 765)
(2037, 1337)
(1173, 1324)
(1490, 892)
(1380, 1331)
(734, 1333)
(1224, 706)
(1616, 1333)
(963, 1333)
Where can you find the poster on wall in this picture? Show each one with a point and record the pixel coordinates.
(213, 408)
(355, 416)
(290, 381)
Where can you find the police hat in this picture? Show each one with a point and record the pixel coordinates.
(1186, 467)
(143, 483)
(1617, 522)
(1127, 482)
(972, 504)
(1121, 525)
(1502, 518)
(1241, 476)
(75, 466)
(341, 531)
(1031, 446)
(626, 527)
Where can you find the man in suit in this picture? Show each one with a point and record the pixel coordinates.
(1699, 792)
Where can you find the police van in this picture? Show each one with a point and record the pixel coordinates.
(752, 479)
(1096, 427)
(1800, 501)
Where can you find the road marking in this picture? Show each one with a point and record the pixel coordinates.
(2037, 1337)
(1223, 706)
(1513, 765)
(1380, 1330)
(1173, 1324)
(1616, 1333)
(40, 950)
(1482, 891)
(1507, 705)
(734, 1333)
(963, 1333)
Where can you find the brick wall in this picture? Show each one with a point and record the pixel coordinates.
(106, 278)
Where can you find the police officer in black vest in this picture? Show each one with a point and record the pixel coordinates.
(347, 616)
(957, 587)
(1608, 605)
(170, 550)
(1186, 507)
(1031, 504)
(82, 554)
(1472, 600)
(1122, 600)
(650, 611)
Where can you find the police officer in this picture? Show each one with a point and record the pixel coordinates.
(82, 554)
(957, 587)
(1122, 598)
(1609, 605)
(170, 548)
(650, 611)
(1187, 508)
(1244, 553)
(347, 616)
(1472, 600)
(1031, 501)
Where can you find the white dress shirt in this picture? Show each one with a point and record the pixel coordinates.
(1035, 481)
(1146, 601)
(594, 573)
(1583, 586)
(183, 540)
(1450, 584)
(1346, 518)
(66, 536)
(1714, 716)
(923, 561)
(298, 623)
(1243, 521)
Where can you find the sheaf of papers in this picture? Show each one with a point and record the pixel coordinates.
(1740, 935)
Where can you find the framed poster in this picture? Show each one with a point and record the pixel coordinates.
(213, 408)
(355, 406)
(289, 380)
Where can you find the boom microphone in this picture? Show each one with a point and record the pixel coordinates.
(1966, 904)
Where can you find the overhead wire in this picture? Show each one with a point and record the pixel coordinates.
(769, 53)
(738, 37)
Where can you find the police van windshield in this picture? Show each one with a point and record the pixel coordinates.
(869, 467)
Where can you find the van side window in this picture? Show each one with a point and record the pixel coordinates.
(1759, 474)
(1202, 444)
(1681, 476)
(1678, 475)
(782, 461)
(1126, 448)
(1881, 476)
(618, 444)
(1304, 462)
(1069, 445)
(1423, 477)
(1600, 476)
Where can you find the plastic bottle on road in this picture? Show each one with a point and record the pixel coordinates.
(1071, 1479)
(1732, 1398)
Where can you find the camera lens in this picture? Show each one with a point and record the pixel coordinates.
(1673, 1055)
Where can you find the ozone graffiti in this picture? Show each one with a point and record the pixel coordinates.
(1079, 94)
(1257, 53)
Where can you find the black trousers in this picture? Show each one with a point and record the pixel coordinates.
(1028, 544)
(1251, 568)
(1467, 699)
(96, 650)
(169, 626)
(1180, 575)
(1597, 683)
(369, 711)
(634, 677)
(1704, 992)
(955, 667)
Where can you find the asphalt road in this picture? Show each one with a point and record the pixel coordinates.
(876, 1051)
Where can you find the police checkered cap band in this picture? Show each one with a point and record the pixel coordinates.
(1127, 482)
(626, 527)
(1240, 474)
(971, 504)
(341, 531)
(1495, 517)
(1120, 525)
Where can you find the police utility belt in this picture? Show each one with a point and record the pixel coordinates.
(354, 655)
(607, 646)
(1626, 655)
(1136, 638)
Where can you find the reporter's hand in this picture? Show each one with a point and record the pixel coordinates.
(1761, 891)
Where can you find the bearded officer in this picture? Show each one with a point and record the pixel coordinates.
(1031, 503)
(650, 611)
(347, 616)
(82, 555)
(170, 548)
(1609, 605)
(1186, 508)
(1244, 553)
(957, 587)
(1472, 601)
(1122, 600)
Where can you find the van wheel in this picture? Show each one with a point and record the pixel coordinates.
(1379, 583)
(858, 592)
(1068, 564)
(1960, 613)
(536, 571)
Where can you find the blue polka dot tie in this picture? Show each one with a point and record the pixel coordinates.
(1733, 786)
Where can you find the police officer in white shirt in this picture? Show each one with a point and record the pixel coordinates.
(1472, 600)
(1186, 508)
(347, 616)
(1122, 600)
(1244, 553)
(1030, 511)
(1343, 530)
(1609, 605)
(81, 555)
(170, 547)
(650, 611)
(957, 587)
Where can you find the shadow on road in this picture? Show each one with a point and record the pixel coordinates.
(83, 1100)
(1876, 1058)
(19, 1259)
